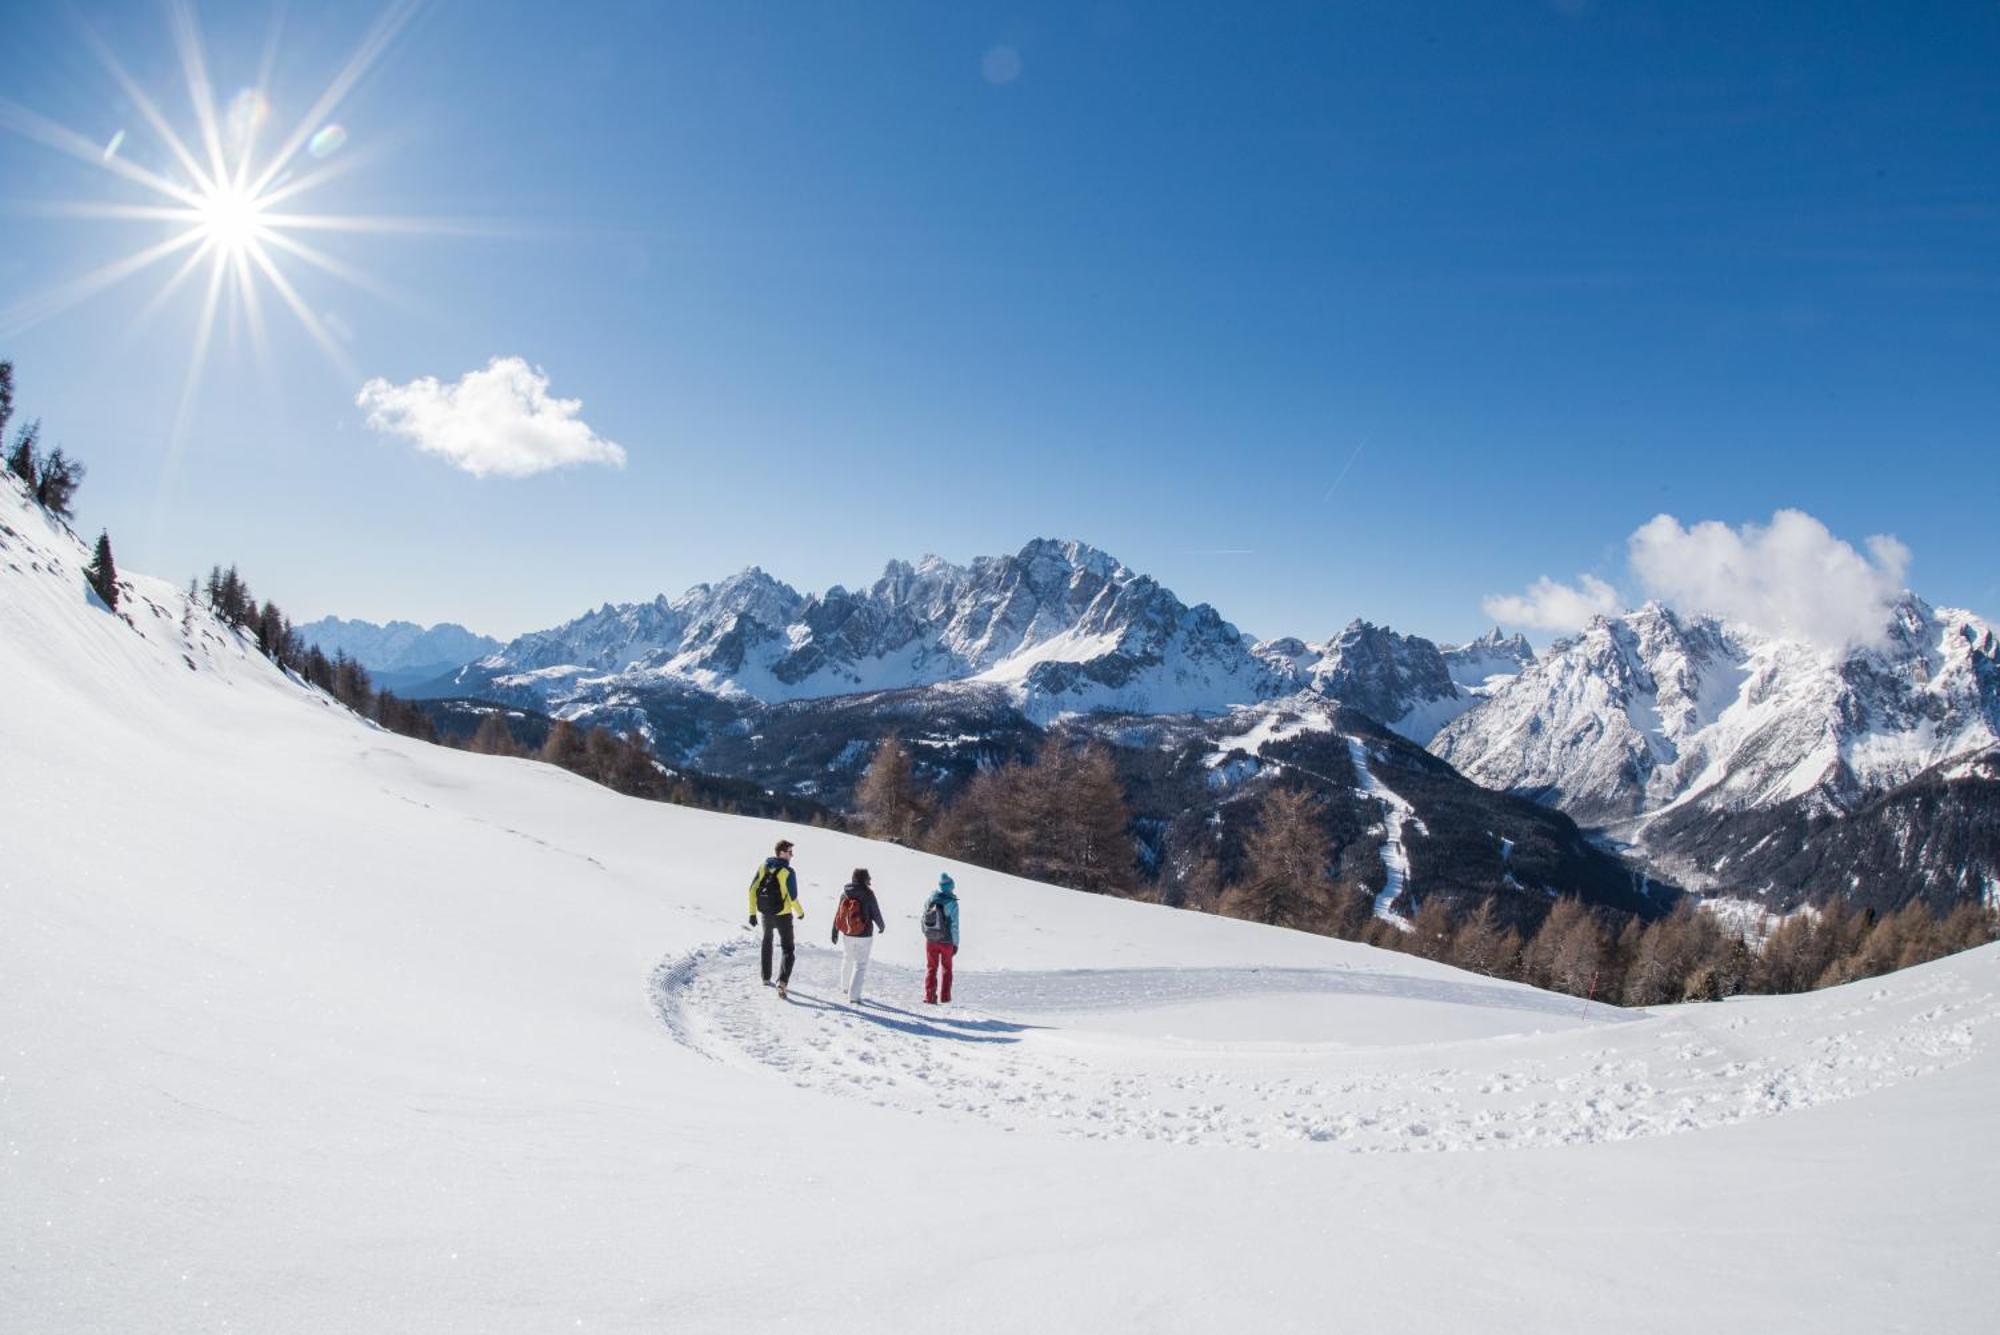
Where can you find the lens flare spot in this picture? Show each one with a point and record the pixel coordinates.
(111, 149)
(327, 142)
(1001, 66)
(248, 111)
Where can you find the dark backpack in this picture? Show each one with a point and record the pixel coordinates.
(937, 925)
(850, 919)
(770, 893)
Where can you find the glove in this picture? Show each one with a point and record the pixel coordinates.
(753, 920)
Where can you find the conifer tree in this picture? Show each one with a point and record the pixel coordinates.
(55, 488)
(317, 669)
(25, 461)
(102, 572)
(6, 396)
(352, 685)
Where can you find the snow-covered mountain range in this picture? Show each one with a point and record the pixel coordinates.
(399, 646)
(1646, 723)
(1060, 627)
(1653, 710)
(1670, 729)
(1407, 682)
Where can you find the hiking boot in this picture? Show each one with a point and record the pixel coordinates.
(783, 993)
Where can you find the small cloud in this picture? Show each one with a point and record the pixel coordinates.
(1791, 577)
(497, 421)
(1550, 605)
(1000, 65)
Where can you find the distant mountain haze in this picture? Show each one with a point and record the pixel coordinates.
(400, 646)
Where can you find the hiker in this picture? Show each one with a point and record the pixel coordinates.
(774, 892)
(940, 923)
(855, 922)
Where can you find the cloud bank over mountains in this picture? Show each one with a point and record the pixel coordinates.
(1551, 605)
(1791, 577)
(500, 421)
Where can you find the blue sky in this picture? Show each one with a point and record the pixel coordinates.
(1310, 311)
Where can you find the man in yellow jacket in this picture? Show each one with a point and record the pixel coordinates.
(774, 893)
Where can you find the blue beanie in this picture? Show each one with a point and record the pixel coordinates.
(944, 880)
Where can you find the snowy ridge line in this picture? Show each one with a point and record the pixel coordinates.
(1066, 1052)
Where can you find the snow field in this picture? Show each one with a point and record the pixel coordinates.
(1439, 1065)
(308, 1028)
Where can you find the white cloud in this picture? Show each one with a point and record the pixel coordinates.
(497, 421)
(1791, 577)
(1548, 605)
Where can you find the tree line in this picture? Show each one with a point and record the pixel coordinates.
(1062, 818)
(52, 481)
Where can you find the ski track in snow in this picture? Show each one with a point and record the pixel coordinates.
(1035, 1055)
(1395, 815)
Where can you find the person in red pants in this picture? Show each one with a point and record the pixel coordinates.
(940, 922)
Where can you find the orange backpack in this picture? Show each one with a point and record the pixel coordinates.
(850, 919)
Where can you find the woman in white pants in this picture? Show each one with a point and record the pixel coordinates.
(856, 919)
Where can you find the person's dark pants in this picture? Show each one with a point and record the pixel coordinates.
(781, 923)
(937, 959)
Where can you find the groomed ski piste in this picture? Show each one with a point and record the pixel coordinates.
(308, 1027)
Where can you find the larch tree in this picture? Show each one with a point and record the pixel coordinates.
(494, 738)
(1486, 945)
(1084, 839)
(891, 804)
(1285, 881)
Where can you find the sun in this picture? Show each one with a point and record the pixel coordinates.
(229, 202)
(231, 220)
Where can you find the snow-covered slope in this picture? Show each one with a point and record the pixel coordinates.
(314, 1028)
(1484, 665)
